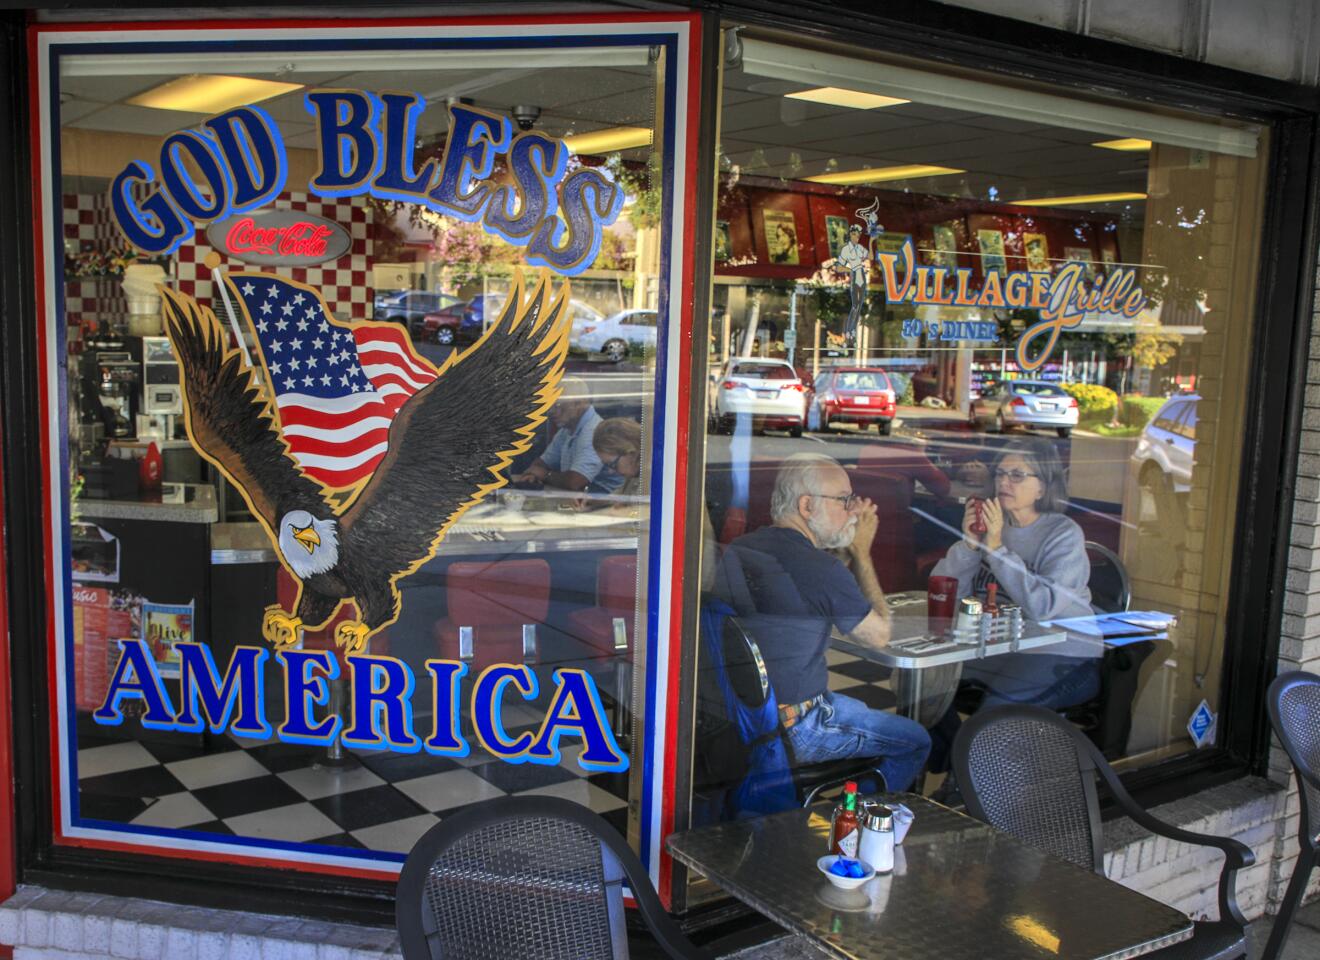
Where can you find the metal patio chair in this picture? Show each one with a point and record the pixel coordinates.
(532, 877)
(1294, 705)
(1027, 771)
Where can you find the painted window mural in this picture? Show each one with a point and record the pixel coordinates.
(357, 404)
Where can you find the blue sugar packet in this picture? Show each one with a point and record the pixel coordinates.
(840, 867)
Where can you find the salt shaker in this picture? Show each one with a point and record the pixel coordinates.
(877, 841)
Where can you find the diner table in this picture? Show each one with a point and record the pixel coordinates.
(929, 666)
(960, 890)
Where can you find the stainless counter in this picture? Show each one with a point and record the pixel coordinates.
(485, 530)
(200, 509)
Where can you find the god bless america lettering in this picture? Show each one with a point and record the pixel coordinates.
(381, 691)
(237, 162)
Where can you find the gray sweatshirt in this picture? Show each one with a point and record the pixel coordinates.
(1042, 567)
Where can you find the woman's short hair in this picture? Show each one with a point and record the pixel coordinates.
(617, 436)
(1043, 461)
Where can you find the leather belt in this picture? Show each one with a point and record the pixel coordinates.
(791, 713)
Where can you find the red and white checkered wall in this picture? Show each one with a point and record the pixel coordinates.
(344, 283)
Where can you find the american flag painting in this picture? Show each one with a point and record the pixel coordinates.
(337, 386)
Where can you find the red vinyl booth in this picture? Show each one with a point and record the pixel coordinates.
(495, 599)
(616, 596)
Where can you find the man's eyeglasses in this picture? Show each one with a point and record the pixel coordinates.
(1014, 476)
(847, 499)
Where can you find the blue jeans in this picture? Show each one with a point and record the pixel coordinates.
(1040, 679)
(841, 727)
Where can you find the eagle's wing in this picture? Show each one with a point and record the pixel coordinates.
(228, 419)
(451, 442)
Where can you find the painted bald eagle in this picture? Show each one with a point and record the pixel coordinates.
(438, 463)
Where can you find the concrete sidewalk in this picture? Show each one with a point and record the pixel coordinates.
(1303, 940)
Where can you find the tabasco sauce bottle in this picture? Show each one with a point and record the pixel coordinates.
(846, 828)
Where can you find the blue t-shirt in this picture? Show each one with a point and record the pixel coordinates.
(797, 592)
(571, 449)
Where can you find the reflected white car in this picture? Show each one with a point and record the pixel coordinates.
(1025, 403)
(769, 390)
(615, 336)
(1166, 450)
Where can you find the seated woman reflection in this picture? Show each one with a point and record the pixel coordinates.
(1037, 556)
(618, 443)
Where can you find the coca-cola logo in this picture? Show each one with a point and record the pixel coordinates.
(280, 238)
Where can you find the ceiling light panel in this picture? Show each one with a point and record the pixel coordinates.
(211, 93)
(1127, 144)
(608, 140)
(910, 171)
(1079, 199)
(842, 97)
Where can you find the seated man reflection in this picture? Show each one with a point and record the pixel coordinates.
(800, 590)
(569, 461)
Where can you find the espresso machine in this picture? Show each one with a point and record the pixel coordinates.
(112, 385)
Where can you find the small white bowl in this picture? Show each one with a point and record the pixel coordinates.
(843, 883)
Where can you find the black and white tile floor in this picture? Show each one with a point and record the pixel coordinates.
(280, 792)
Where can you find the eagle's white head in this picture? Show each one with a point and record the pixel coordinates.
(310, 546)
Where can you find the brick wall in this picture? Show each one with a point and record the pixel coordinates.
(1299, 643)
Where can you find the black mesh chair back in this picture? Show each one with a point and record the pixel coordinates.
(1019, 770)
(1111, 591)
(1029, 772)
(1294, 705)
(539, 878)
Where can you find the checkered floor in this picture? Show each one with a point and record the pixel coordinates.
(860, 679)
(279, 791)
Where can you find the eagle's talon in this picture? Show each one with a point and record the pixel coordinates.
(352, 636)
(279, 628)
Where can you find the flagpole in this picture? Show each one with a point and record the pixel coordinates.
(217, 277)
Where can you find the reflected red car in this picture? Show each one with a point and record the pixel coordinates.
(860, 395)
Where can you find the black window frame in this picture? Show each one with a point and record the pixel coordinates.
(936, 33)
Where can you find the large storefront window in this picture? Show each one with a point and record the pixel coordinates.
(974, 341)
(356, 396)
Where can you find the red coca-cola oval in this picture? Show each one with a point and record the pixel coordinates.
(279, 238)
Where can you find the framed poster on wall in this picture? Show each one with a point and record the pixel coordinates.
(991, 243)
(781, 238)
(1037, 251)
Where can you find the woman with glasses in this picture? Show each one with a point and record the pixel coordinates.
(1037, 556)
(1033, 552)
(618, 443)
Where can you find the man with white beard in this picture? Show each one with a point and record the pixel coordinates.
(798, 591)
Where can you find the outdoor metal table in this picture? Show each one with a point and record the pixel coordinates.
(961, 890)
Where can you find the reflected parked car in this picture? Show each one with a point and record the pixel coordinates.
(409, 307)
(460, 322)
(769, 390)
(1166, 450)
(616, 335)
(860, 395)
(1025, 403)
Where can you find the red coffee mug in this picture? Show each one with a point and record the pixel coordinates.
(941, 603)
